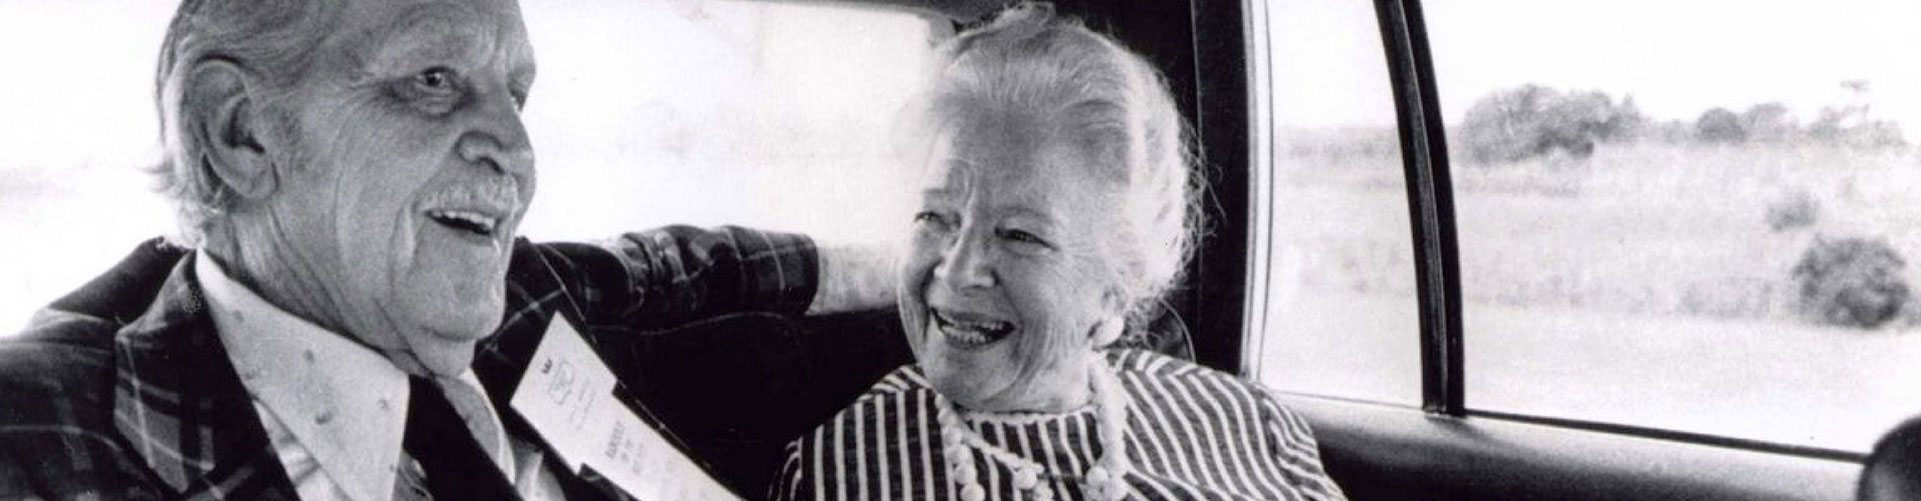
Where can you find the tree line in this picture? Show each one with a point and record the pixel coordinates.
(1532, 120)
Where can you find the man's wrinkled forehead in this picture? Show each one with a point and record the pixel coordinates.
(373, 31)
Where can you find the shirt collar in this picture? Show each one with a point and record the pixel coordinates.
(346, 404)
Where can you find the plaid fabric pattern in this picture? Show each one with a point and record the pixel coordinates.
(110, 395)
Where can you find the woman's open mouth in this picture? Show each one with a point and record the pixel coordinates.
(968, 330)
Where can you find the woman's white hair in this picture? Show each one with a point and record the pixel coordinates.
(271, 40)
(1029, 61)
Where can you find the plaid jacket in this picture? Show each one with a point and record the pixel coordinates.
(121, 390)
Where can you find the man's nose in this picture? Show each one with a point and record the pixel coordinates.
(499, 140)
(967, 265)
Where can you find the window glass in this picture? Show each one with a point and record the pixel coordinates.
(1336, 248)
(1694, 216)
(721, 112)
(645, 113)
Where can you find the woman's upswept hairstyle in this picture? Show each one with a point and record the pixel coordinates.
(273, 40)
(1029, 62)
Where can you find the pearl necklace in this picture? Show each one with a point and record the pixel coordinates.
(1105, 481)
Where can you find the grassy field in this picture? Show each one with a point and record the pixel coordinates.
(1666, 230)
(1642, 285)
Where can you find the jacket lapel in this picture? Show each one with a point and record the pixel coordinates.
(182, 408)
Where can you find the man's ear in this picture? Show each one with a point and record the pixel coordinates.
(224, 120)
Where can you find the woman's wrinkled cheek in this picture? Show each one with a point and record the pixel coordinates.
(915, 276)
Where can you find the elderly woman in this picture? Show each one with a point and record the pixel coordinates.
(1056, 207)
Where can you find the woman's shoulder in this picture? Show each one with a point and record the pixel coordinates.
(1177, 387)
(903, 390)
(906, 379)
(1150, 374)
(1149, 364)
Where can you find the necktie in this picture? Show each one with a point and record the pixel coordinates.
(457, 468)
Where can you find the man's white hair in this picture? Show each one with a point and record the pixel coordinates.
(1031, 63)
(272, 41)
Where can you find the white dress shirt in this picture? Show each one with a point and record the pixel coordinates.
(335, 410)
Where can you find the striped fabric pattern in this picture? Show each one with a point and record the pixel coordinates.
(1192, 433)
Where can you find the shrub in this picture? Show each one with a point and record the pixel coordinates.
(1531, 120)
(1793, 209)
(1720, 126)
(1851, 282)
(1769, 122)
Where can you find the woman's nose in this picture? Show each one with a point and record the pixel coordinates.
(966, 265)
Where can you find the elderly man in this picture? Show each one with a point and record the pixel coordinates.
(349, 176)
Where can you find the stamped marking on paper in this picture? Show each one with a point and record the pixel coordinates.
(568, 397)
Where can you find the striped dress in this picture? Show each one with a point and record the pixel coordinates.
(1192, 433)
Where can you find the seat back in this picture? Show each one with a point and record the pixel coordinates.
(1893, 470)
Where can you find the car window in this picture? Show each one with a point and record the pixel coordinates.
(1335, 246)
(775, 115)
(1687, 217)
(1694, 217)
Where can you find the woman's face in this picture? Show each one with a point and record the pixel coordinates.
(1007, 273)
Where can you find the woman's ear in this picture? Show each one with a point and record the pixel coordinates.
(1110, 328)
(224, 122)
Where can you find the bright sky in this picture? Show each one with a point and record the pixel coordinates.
(1678, 58)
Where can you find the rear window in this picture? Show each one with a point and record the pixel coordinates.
(645, 114)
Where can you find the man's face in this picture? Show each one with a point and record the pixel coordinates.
(410, 172)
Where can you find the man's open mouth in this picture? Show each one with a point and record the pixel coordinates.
(470, 221)
(970, 330)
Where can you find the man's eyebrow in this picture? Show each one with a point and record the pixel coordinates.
(426, 32)
(937, 191)
(523, 72)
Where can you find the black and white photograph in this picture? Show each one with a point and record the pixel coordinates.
(960, 250)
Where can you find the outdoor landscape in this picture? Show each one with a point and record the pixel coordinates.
(1703, 275)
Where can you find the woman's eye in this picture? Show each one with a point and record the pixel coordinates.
(1024, 237)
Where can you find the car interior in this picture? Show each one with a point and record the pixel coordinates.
(1443, 409)
(1441, 446)
(1219, 58)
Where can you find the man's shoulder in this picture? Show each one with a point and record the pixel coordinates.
(59, 371)
(56, 408)
(57, 434)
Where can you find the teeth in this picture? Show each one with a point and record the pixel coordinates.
(477, 220)
(972, 332)
(984, 326)
(967, 336)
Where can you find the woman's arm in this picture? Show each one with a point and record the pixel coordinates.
(1294, 446)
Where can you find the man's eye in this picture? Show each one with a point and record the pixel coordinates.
(437, 80)
(926, 217)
